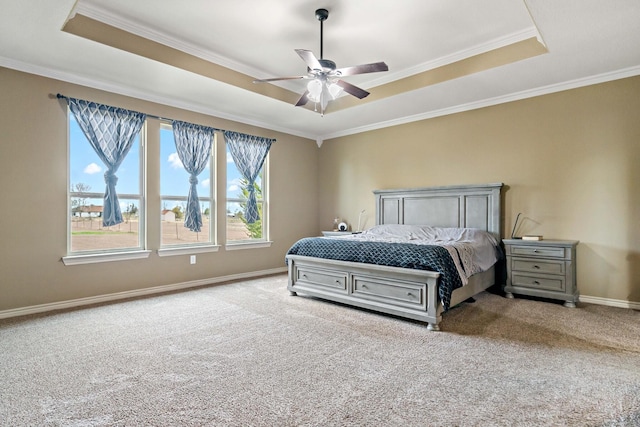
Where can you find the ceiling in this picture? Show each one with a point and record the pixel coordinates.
(444, 56)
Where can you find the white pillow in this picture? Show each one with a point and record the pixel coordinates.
(433, 234)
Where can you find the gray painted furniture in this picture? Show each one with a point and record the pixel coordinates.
(545, 268)
(401, 291)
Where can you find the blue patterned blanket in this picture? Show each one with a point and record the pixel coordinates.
(406, 255)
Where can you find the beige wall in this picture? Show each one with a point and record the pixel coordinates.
(33, 188)
(570, 161)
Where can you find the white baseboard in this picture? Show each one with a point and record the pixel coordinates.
(610, 302)
(42, 308)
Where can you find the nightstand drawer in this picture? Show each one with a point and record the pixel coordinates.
(538, 251)
(322, 278)
(535, 282)
(538, 266)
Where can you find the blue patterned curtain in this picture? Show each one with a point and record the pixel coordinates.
(249, 153)
(111, 132)
(193, 144)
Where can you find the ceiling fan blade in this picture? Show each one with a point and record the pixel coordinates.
(303, 99)
(275, 79)
(362, 69)
(352, 90)
(309, 58)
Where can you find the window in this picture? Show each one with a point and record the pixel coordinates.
(238, 229)
(113, 227)
(174, 189)
(86, 198)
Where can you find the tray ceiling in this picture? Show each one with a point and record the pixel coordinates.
(443, 56)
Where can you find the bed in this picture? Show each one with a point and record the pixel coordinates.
(406, 291)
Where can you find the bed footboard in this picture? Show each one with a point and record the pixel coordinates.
(402, 292)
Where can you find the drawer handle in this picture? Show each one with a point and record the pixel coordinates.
(535, 250)
(364, 286)
(535, 282)
(338, 281)
(536, 266)
(304, 275)
(409, 294)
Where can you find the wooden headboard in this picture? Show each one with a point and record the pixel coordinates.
(462, 206)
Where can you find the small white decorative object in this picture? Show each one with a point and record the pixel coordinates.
(343, 226)
(359, 220)
(532, 237)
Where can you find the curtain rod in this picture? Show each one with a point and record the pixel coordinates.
(153, 116)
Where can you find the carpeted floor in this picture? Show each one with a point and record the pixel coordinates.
(248, 354)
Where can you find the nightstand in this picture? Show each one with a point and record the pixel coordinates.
(544, 268)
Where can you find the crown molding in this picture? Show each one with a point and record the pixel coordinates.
(135, 93)
(139, 94)
(530, 93)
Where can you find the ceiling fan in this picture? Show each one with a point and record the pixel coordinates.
(325, 79)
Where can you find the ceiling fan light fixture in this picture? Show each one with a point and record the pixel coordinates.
(316, 88)
(322, 91)
(325, 78)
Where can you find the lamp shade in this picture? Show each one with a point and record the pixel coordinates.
(334, 90)
(315, 90)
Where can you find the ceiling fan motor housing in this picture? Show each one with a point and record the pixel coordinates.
(327, 64)
(322, 14)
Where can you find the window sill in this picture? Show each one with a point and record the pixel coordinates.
(107, 257)
(247, 245)
(187, 250)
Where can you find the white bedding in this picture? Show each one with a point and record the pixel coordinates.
(472, 250)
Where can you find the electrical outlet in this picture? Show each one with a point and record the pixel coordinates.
(193, 259)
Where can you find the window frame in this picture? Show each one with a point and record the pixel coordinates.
(250, 243)
(109, 254)
(190, 247)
